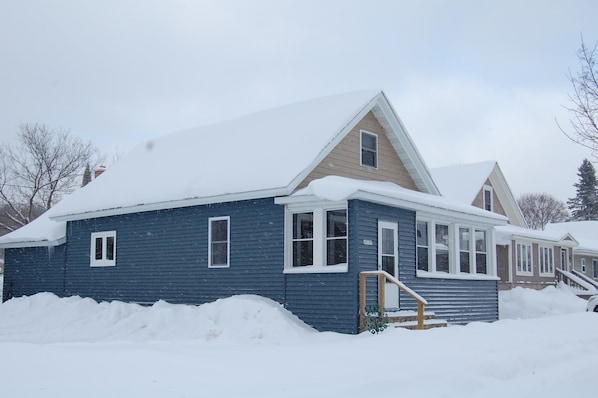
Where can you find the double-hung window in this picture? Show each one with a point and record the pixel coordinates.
(481, 248)
(546, 259)
(103, 249)
(369, 149)
(523, 256)
(583, 265)
(317, 240)
(219, 242)
(445, 249)
(464, 250)
(595, 265)
(422, 245)
(488, 202)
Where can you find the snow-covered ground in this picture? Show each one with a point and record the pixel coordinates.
(247, 346)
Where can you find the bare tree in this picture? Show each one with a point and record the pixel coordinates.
(44, 165)
(584, 99)
(540, 209)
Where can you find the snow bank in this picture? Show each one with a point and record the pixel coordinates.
(46, 318)
(521, 303)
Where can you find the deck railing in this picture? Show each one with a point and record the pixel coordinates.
(384, 277)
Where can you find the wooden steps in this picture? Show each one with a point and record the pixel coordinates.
(408, 320)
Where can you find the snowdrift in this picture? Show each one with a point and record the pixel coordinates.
(46, 318)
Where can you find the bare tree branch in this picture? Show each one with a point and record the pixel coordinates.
(44, 165)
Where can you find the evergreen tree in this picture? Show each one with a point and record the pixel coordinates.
(584, 206)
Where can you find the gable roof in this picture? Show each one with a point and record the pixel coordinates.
(265, 154)
(585, 232)
(464, 182)
(259, 155)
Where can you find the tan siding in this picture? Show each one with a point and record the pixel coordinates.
(345, 159)
(497, 206)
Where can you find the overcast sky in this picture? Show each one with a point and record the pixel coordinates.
(471, 80)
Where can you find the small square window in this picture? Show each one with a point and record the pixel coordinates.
(103, 247)
(369, 149)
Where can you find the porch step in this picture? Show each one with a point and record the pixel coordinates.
(408, 320)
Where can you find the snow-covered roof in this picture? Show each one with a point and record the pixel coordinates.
(335, 188)
(464, 182)
(42, 231)
(258, 155)
(585, 232)
(505, 233)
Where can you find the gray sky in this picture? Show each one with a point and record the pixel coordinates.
(471, 80)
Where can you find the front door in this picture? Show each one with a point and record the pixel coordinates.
(388, 256)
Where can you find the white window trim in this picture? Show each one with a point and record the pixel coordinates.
(541, 259)
(491, 190)
(583, 265)
(454, 252)
(361, 133)
(531, 265)
(595, 270)
(319, 239)
(210, 220)
(102, 262)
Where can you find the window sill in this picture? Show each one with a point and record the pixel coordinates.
(310, 269)
(96, 265)
(461, 276)
(524, 273)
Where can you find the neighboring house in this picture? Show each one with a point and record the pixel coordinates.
(584, 268)
(525, 257)
(532, 258)
(292, 203)
(481, 185)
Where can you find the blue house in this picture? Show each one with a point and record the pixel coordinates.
(292, 203)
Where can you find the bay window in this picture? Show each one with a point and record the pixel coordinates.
(318, 241)
(456, 250)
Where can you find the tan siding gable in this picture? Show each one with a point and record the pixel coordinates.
(497, 206)
(345, 159)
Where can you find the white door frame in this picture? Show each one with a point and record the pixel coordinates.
(391, 300)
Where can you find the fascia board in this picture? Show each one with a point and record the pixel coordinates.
(403, 144)
(40, 243)
(505, 195)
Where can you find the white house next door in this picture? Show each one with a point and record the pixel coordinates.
(388, 256)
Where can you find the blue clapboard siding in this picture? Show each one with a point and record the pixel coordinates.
(456, 300)
(163, 255)
(33, 270)
(331, 301)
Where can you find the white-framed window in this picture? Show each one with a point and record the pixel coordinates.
(423, 245)
(369, 149)
(523, 259)
(103, 249)
(219, 242)
(453, 249)
(442, 246)
(595, 265)
(481, 250)
(546, 260)
(464, 250)
(488, 198)
(317, 240)
(583, 265)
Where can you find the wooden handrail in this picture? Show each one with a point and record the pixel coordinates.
(384, 276)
